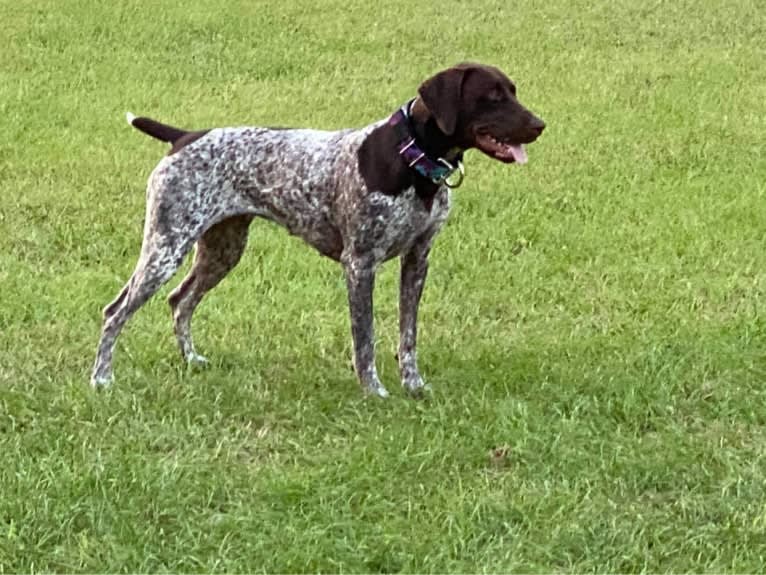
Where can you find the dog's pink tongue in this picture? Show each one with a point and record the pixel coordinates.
(519, 153)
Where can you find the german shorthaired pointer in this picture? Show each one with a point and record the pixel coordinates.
(359, 196)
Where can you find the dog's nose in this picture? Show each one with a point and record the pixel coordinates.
(537, 125)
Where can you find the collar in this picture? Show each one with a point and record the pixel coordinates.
(437, 170)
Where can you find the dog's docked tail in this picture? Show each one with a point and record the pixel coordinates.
(155, 129)
(175, 136)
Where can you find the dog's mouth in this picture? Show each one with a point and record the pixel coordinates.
(501, 150)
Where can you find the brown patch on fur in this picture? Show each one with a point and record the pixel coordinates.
(185, 140)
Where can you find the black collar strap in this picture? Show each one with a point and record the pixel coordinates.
(437, 170)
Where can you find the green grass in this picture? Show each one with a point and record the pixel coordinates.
(600, 313)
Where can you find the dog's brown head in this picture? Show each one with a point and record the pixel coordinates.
(476, 107)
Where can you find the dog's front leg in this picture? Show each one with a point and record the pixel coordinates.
(360, 279)
(414, 268)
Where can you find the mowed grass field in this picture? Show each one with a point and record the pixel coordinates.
(597, 318)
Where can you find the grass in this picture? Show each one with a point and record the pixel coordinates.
(596, 316)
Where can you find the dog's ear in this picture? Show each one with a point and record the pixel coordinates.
(442, 95)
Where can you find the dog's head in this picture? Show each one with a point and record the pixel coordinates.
(476, 106)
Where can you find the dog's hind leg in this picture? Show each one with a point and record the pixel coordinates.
(163, 249)
(218, 252)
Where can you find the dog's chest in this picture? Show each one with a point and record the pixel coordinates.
(393, 224)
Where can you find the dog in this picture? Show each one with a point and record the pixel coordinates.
(359, 196)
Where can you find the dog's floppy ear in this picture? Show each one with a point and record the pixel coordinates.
(442, 94)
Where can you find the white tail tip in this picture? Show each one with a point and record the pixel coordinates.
(129, 117)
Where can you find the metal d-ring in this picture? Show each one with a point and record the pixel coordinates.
(461, 172)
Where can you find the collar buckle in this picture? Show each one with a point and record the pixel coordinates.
(459, 168)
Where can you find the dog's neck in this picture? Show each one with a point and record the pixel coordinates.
(422, 145)
(431, 139)
(386, 170)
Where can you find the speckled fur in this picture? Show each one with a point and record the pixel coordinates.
(346, 193)
(308, 182)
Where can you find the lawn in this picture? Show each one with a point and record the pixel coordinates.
(593, 325)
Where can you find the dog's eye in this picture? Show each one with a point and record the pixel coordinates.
(495, 95)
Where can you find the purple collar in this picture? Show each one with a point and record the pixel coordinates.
(437, 170)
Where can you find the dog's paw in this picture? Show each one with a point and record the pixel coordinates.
(375, 389)
(101, 381)
(194, 359)
(416, 387)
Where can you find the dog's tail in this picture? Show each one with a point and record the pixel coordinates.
(155, 129)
